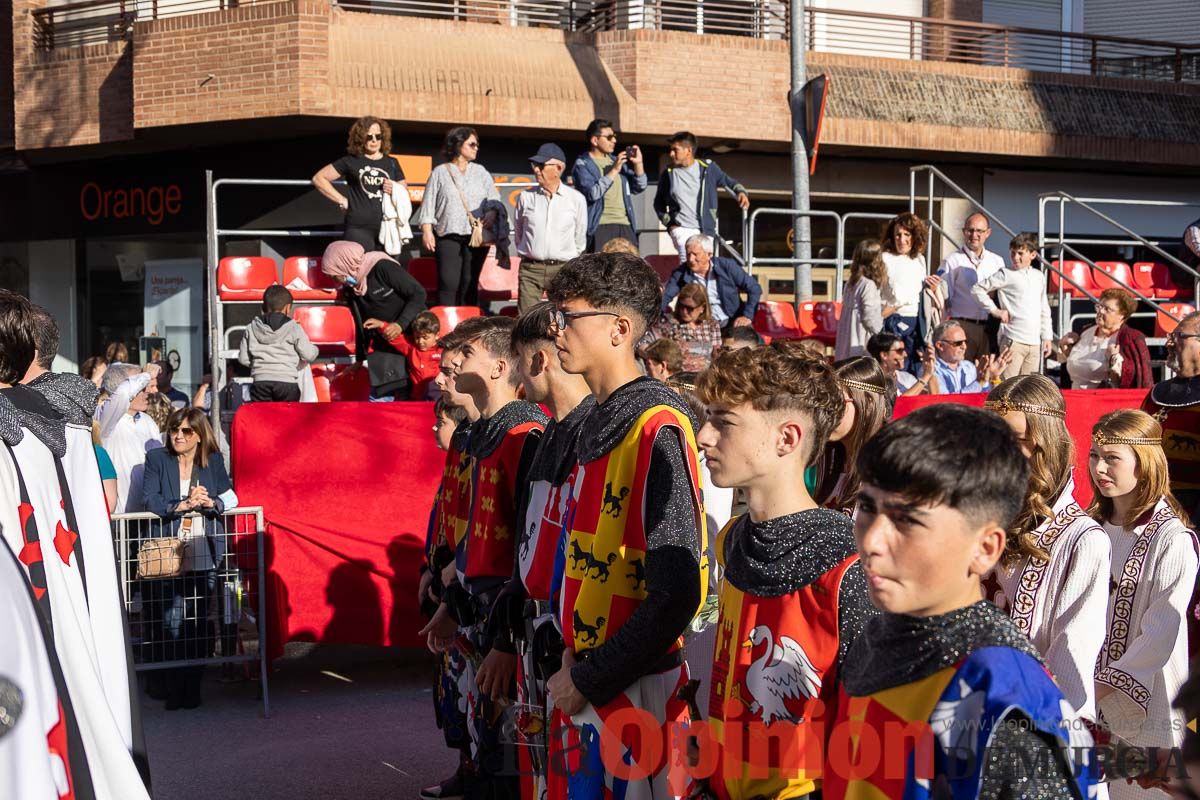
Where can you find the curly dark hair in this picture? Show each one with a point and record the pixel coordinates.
(356, 142)
(611, 281)
(913, 224)
(455, 137)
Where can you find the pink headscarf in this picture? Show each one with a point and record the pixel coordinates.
(345, 259)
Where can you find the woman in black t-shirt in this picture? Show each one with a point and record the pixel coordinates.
(369, 172)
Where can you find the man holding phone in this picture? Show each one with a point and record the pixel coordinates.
(608, 178)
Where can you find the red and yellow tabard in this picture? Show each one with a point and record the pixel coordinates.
(543, 522)
(492, 514)
(455, 499)
(604, 577)
(774, 686)
(1181, 442)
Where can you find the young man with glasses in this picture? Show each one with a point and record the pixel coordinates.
(635, 567)
(551, 224)
(960, 272)
(957, 375)
(1175, 403)
(889, 350)
(608, 179)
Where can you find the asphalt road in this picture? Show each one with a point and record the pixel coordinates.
(346, 723)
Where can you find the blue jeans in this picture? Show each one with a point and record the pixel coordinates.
(906, 329)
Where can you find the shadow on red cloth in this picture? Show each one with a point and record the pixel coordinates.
(346, 491)
(1084, 408)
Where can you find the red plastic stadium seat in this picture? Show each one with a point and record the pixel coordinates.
(330, 328)
(777, 320)
(827, 315)
(807, 320)
(1078, 271)
(1117, 269)
(338, 382)
(303, 278)
(450, 316)
(509, 311)
(243, 278)
(496, 282)
(424, 269)
(1164, 324)
(664, 264)
(1154, 279)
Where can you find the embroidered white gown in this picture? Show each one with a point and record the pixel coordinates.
(1144, 660)
(1061, 605)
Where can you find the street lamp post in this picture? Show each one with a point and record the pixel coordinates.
(802, 229)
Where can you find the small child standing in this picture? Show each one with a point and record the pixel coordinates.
(1024, 312)
(419, 348)
(276, 348)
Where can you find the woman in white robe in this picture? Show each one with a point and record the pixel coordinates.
(1053, 580)
(1144, 661)
(127, 432)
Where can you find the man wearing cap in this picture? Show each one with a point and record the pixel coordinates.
(551, 225)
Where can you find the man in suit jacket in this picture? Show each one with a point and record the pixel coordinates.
(724, 279)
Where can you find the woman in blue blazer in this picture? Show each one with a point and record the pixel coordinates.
(187, 486)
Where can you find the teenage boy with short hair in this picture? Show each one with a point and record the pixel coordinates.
(526, 610)
(438, 567)
(500, 447)
(956, 697)
(633, 575)
(792, 584)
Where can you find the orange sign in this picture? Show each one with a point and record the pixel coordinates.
(152, 203)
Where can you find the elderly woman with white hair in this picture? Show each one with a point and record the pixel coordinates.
(126, 431)
(723, 280)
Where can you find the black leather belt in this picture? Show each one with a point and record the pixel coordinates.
(668, 662)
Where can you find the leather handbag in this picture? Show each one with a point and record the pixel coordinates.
(480, 235)
(161, 558)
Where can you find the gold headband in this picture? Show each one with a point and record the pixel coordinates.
(849, 383)
(1101, 438)
(1004, 405)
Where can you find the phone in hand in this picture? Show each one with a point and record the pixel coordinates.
(630, 151)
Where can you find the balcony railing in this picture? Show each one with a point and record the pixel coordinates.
(829, 30)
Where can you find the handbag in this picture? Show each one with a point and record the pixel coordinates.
(164, 557)
(480, 235)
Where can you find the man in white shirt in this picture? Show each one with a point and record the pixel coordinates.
(959, 273)
(1025, 327)
(551, 225)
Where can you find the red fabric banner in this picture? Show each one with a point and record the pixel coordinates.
(346, 490)
(1084, 408)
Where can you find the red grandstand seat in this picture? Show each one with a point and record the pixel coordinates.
(1153, 278)
(1118, 270)
(664, 264)
(330, 328)
(509, 311)
(1164, 324)
(496, 282)
(424, 269)
(302, 277)
(777, 320)
(1078, 271)
(450, 316)
(340, 382)
(827, 315)
(243, 278)
(806, 318)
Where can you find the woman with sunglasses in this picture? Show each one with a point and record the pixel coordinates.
(1110, 354)
(459, 196)
(691, 325)
(369, 172)
(187, 486)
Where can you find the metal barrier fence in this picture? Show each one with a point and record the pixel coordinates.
(197, 596)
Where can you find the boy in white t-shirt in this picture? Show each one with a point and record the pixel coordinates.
(1024, 312)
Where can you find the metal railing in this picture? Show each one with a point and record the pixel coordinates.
(211, 607)
(829, 30)
(98, 21)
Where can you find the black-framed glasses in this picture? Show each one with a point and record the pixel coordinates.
(374, 137)
(185, 431)
(899, 350)
(689, 308)
(955, 343)
(561, 318)
(1180, 336)
(612, 137)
